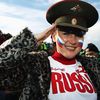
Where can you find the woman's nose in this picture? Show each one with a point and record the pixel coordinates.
(72, 39)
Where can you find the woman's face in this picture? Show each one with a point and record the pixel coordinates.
(68, 44)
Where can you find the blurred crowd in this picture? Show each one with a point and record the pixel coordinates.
(90, 51)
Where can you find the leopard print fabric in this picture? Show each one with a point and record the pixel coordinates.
(92, 66)
(28, 73)
(38, 80)
(23, 71)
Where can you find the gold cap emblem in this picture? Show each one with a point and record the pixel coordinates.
(74, 21)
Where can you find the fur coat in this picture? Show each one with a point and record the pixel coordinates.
(27, 72)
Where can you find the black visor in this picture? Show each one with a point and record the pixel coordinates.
(71, 30)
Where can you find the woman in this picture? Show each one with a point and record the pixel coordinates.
(64, 75)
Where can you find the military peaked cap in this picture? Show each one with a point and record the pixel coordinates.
(72, 13)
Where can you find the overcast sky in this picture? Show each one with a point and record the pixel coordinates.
(18, 14)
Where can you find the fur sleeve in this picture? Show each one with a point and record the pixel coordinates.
(92, 66)
(37, 83)
(12, 54)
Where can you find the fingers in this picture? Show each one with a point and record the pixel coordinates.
(91, 54)
(50, 30)
(46, 33)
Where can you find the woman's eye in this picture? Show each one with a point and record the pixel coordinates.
(65, 33)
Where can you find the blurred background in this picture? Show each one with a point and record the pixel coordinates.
(15, 15)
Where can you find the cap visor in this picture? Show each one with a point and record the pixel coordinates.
(75, 26)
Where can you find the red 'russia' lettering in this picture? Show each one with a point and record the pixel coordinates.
(78, 84)
(68, 82)
(64, 82)
(56, 79)
(87, 85)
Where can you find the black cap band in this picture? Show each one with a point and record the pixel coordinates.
(76, 22)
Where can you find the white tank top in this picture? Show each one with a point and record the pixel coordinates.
(70, 82)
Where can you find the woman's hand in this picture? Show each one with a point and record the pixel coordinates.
(42, 36)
